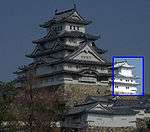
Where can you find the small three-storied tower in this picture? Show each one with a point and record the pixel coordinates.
(68, 57)
(124, 80)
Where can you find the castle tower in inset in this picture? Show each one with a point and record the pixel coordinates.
(124, 80)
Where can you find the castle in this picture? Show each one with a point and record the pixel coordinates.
(67, 59)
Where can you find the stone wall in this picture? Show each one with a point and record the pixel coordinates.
(102, 129)
(79, 92)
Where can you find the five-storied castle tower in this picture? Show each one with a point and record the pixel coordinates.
(68, 58)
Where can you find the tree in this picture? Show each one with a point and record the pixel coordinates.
(37, 109)
(7, 94)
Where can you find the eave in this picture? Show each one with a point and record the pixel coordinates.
(70, 72)
(67, 34)
(127, 83)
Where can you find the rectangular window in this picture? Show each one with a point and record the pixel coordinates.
(70, 27)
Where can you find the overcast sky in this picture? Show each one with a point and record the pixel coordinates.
(124, 26)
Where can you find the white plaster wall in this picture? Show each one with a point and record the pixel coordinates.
(141, 114)
(124, 80)
(122, 89)
(73, 42)
(147, 115)
(111, 121)
(86, 56)
(126, 72)
(66, 27)
(88, 79)
(72, 67)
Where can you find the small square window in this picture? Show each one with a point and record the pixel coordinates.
(60, 27)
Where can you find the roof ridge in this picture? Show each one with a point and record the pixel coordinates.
(65, 11)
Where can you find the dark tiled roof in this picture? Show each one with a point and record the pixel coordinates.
(88, 62)
(77, 34)
(119, 111)
(70, 72)
(108, 99)
(118, 75)
(67, 34)
(119, 107)
(99, 50)
(136, 104)
(51, 51)
(64, 17)
(81, 108)
(86, 108)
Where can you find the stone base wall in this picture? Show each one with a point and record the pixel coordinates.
(79, 92)
(127, 129)
(102, 129)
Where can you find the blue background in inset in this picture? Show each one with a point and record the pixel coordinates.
(138, 71)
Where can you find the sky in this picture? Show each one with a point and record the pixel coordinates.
(123, 26)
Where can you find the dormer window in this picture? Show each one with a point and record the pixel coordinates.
(60, 28)
(57, 28)
(75, 28)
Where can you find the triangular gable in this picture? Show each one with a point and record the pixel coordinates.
(86, 53)
(127, 65)
(98, 107)
(76, 16)
(123, 64)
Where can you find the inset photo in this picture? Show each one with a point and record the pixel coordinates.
(128, 75)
